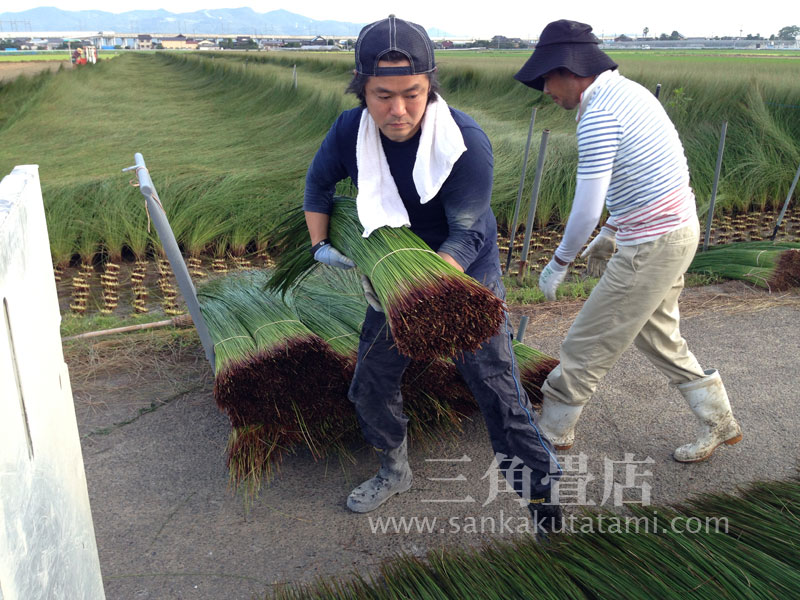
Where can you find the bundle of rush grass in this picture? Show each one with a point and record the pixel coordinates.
(435, 397)
(234, 349)
(282, 377)
(715, 546)
(286, 352)
(281, 389)
(330, 302)
(252, 449)
(432, 308)
(534, 367)
(774, 266)
(433, 390)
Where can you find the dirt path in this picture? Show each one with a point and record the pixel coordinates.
(12, 70)
(168, 527)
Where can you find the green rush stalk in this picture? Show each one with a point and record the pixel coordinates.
(748, 550)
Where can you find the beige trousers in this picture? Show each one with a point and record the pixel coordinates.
(635, 301)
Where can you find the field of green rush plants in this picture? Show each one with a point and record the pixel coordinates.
(228, 139)
(757, 95)
(226, 148)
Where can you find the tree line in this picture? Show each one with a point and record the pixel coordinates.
(788, 33)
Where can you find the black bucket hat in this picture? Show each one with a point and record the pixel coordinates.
(567, 44)
(393, 34)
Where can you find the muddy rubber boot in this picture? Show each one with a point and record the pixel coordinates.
(557, 421)
(547, 518)
(394, 477)
(709, 402)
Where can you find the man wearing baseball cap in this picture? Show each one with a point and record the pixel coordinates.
(419, 163)
(630, 159)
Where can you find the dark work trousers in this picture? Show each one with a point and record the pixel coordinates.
(493, 378)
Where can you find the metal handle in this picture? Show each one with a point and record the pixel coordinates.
(174, 256)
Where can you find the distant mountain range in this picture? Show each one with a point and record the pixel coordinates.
(210, 22)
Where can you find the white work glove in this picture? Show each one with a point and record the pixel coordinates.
(599, 251)
(552, 276)
(329, 255)
(370, 294)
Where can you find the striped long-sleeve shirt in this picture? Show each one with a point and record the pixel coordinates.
(624, 130)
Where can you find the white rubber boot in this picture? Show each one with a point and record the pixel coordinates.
(709, 402)
(394, 477)
(557, 422)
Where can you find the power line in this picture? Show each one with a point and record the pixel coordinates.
(14, 25)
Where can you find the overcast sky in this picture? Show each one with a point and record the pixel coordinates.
(501, 17)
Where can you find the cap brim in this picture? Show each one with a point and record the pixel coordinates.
(582, 59)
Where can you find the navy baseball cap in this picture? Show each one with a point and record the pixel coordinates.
(394, 35)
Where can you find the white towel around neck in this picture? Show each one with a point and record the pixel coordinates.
(440, 146)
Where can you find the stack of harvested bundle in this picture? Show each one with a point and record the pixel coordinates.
(435, 396)
(263, 382)
(284, 366)
(433, 309)
(433, 390)
(771, 265)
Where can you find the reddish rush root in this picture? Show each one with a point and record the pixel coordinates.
(444, 317)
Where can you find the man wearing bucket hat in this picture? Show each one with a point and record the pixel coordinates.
(630, 159)
(402, 138)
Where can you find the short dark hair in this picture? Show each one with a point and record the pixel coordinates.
(359, 81)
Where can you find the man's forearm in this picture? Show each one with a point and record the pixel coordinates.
(587, 206)
(449, 259)
(317, 224)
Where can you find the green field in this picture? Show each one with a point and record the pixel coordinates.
(228, 139)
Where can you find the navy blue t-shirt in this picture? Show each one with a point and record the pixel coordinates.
(458, 220)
